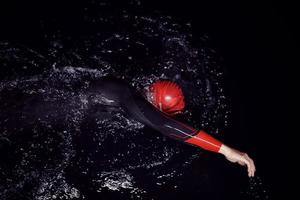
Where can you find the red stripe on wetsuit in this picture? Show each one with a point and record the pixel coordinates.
(201, 139)
(205, 141)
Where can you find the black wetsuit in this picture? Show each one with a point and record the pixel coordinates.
(108, 93)
(116, 92)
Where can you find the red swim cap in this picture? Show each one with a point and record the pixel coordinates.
(167, 96)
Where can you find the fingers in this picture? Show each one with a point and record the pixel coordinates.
(250, 165)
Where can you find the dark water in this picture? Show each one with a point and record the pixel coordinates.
(62, 150)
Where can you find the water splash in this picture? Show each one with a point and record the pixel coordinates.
(256, 190)
(107, 151)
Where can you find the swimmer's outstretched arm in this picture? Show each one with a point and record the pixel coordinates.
(146, 113)
(140, 109)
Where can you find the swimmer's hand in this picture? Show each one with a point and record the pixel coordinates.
(241, 158)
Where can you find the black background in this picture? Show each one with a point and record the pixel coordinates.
(256, 42)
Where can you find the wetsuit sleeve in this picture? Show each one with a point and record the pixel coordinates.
(143, 111)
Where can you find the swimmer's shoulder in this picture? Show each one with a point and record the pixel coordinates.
(109, 82)
(112, 79)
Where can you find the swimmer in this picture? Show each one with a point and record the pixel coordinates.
(155, 108)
